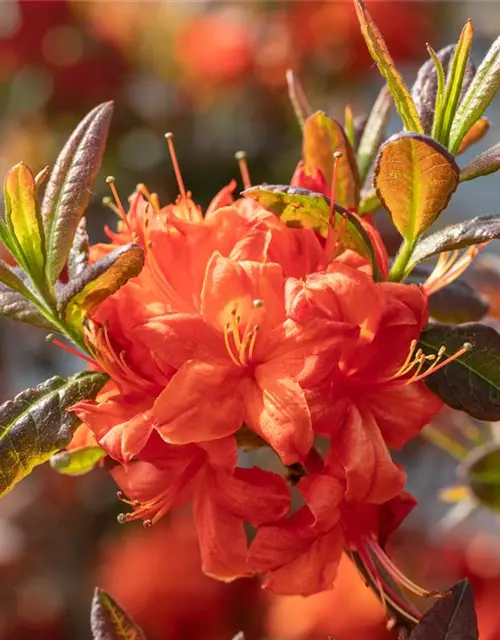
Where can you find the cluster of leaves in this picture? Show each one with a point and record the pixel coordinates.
(452, 617)
(54, 287)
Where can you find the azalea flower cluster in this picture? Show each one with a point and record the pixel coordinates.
(242, 333)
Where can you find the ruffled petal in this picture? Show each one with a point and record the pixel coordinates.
(202, 402)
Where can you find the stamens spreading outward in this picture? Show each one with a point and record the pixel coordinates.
(104, 354)
(379, 568)
(152, 198)
(449, 267)
(240, 346)
(241, 157)
(149, 512)
(416, 360)
(118, 208)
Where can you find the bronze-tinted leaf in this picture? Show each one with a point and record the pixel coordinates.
(457, 236)
(78, 257)
(299, 207)
(425, 89)
(395, 83)
(24, 221)
(322, 138)
(485, 163)
(77, 462)
(374, 132)
(415, 178)
(451, 618)
(98, 281)
(471, 383)
(15, 306)
(109, 621)
(70, 184)
(480, 93)
(475, 133)
(456, 303)
(481, 469)
(35, 425)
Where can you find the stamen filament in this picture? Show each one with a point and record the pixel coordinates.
(433, 368)
(253, 339)
(52, 339)
(121, 211)
(227, 332)
(180, 183)
(241, 157)
(413, 346)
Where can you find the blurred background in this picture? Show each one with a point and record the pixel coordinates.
(214, 73)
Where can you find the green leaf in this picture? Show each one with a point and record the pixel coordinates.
(15, 306)
(454, 80)
(98, 281)
(456, 303)
(395, 83)
(321, 139)
(24, 221)
(78, 256)
(299, 207)
(415, 178)
(451, 618)
(471, 383)
(35, 425)
(297, 97)
(477, 132)
(374, 132)
(349, 126)
(457, 236)
(77, 462)
(70, 184)
(481, 469)
(428, 90)
(485, 163)
(109, 621)
(369, 202)
(481, 92)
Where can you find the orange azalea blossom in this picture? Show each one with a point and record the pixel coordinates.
(301, 554)
(224, 497)
(369, 396)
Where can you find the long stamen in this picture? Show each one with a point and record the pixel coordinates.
(228, 330)
(180, 183)
(121, 211)
(53, 340)
(449, 267)
(241, 157)
(253, 339)
(413, 346)
(467, 346)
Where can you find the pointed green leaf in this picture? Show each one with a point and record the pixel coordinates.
(369, 202)
(428, 90)
(456, 303)
(457, 236)
(299, 207)
(451, 618)
(395, 83)
(322, 138)
(98, 281)
(471, 383)
(485, 163)
(70, 184)
(109, 621)
(78, 257)
(481, 469)
(297, 97)
(15, 306)
(481, 92)
(349, 126)
(374, 132)
(76, 462)
(24, 220)
(454, 80)
(477, 132)
(35, 425)
(415, 178)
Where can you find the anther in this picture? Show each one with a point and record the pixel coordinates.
(121, 518)
(147, 523)
(257, 304)
(241, 157)
(180, 183)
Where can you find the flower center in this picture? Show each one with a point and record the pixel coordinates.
(240, 344)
